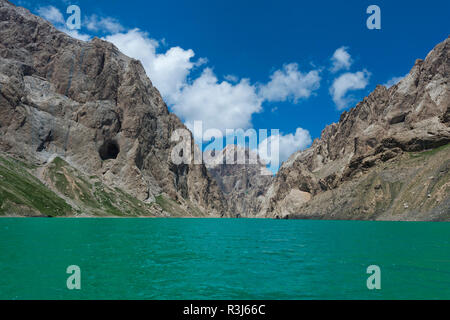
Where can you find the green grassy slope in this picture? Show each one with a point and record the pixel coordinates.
(90, 195)
(62, 190)
(23, 194)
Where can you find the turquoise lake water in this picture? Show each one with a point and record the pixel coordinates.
(222, 259)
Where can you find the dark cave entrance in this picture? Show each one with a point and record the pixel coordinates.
(109, 150)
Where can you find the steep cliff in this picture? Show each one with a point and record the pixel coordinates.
(369, 165)
(243, 184)
(84, 132)
(95, 108)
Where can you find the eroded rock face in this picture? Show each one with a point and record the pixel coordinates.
(91, 105)
(95, 108)
(244, 185)
(408, 117)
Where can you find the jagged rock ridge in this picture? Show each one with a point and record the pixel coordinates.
(409, 117)
(94, 107)
(94, 135)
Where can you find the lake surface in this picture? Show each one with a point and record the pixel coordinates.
(222, 259)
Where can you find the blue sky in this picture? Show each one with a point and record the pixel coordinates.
(263, 64)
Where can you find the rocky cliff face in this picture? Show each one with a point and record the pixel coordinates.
(84, 132)
(360, 168)
(93, 107)
(243, 185)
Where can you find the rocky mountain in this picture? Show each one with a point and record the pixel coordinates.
(90, 127)
(83, 132)
(372, 164)
(243, 184)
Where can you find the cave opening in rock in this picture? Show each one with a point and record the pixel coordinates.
(109, 150)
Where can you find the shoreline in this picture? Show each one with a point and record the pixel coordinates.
(215, 218)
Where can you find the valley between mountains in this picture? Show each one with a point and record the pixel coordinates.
(83, 132)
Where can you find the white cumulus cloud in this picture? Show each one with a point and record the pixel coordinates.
(231, 78)
(290, 83)
(168, 71)
(55, 16)
(106, 24)
(75, 34)
(228, 104)
(341, 60)
(51, 14)
(220, 105)
(291, 143)
(287, 145)
(345, 83)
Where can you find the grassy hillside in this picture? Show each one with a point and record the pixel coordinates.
(412, 186)
(62, 190)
